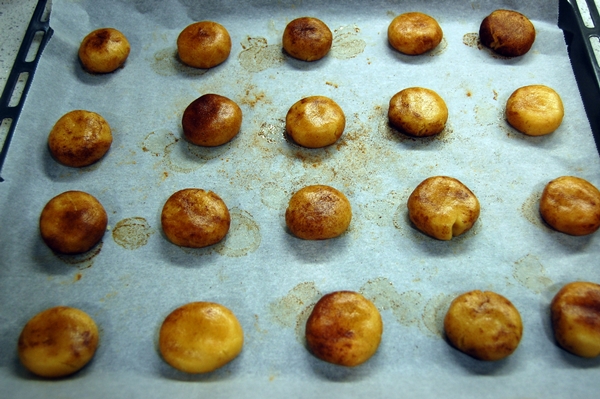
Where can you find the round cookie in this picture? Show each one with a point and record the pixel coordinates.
(414, 33)
(418, 112)
(58, 342)
(307, 39)
(483, 325)
(73, 222)
(195, 218)
(443, 207)
(507, 32)
(211, 120)
(104, 50)
(315, 122)
(344, 328)
(204, 44)
(318, 212)
(575, 313)
(79, 138)
(535, 110)
(571, 205)
(200, 337)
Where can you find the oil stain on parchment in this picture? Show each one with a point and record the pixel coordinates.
(257, 55)
(243, 237)
(407, 307)
(472, 40)
(346, 43)
(165, 62)
(530, 273)
(434, 313)
(293, 310)
(274, 196)
(81, 261)
(132, 233)
(177, 154)
(531, 210)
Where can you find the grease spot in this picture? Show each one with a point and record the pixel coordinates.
(439, 49)
(530, 273)
(346, 43)
(84, 260)
(178, 155)
(257, 55)
(292, 310)
(531, 210)
(166, 62)
(132, 233)
(434, 313)
(243, 237)
(472, 40)
(405, 306)
(274, 196)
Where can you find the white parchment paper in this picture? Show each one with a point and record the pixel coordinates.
(267, 277)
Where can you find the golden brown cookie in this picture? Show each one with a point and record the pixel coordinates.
(484, 325)
(575, 312)
(211, 120)
(535, 110)
(73, 222)
(442, 207)
(204, 44)
(418, 112)
(307, 39)
(571, 205)
(315, 122)
(79, 138)
(195, 218)
(414, 33)
(318, 212)
(57, 342)
(507, 32)
(104, 50)
(344, 328)
(200, 337)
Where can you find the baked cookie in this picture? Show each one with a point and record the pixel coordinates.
(73, 222)
(571, 205)
(80, 138)
(211, 120)
(195, 218)
(507, 32)
(200, 337)
(484, 325)
(442, 207)
(535, 110)
(58, 342)
(104, 50)
(315, 122)
(414, 33)
(575, 312)
(307, 39)
(418, 112)
(344, 328)
(204, 44)
(318, 212)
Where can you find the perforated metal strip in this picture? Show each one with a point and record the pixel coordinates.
(10, 108)
(582, 41)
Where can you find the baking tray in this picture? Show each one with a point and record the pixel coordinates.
(267, 277)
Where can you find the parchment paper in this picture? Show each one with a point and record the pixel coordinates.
(267, 277)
